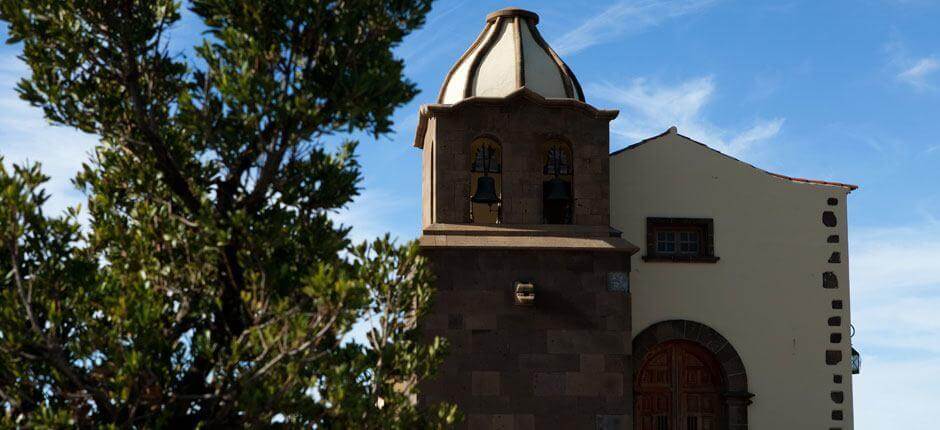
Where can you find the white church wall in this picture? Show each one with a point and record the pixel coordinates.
(765, 294)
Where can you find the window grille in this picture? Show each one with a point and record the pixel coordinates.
(557, 163)
(486, 160)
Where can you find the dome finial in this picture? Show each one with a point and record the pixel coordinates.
(512, 12)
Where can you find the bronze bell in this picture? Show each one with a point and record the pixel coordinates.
(557, 190)
(486, 191)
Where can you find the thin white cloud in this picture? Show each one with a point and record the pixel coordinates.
(434, 43)
(895, 277)
(761, 131)
(916, 71)
(897, 393)
(905, 324)
(897, 260)
(371, 213)
(919, 73)
(650, 108)
(625, 17)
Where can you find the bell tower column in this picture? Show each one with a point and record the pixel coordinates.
(532, 283)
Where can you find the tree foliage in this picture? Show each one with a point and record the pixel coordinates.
(209, 287)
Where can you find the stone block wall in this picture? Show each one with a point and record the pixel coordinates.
(564, 362)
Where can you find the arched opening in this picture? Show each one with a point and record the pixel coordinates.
(687, 376)
(678, 387)
(486, 185)
(557, 175)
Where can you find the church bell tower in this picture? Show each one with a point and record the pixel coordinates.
(532, 282)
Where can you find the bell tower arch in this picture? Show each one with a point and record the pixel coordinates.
(532, 283)
(557, 175)
(486, 171)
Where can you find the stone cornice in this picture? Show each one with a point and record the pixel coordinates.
(428, 111)
(560, 243)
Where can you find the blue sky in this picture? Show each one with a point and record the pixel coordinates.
(833, 90)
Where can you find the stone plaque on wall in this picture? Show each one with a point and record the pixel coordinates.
(618, 281)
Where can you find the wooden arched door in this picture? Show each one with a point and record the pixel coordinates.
(678, 387)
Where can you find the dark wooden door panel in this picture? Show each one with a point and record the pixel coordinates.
(678, 387)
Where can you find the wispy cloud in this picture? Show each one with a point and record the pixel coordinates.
(653, 107)
(896, 260)
(913, 70)
(371, 214)
(433, 43)
(918, 74)
(894, 280)
(761, 131)
(625, 17)
(894, 310)
(893, 394)
(899, 326)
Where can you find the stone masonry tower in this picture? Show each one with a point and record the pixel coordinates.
(532, 282)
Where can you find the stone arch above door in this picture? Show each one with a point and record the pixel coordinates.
(736, 395)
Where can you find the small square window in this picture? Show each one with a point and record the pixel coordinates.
(677, 242)
(680, 240)
(688, 242)
(666, 242)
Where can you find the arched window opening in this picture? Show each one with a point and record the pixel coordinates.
(557, 173)
(486, 184)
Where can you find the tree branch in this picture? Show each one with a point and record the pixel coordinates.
(51, 352)
(144, 122)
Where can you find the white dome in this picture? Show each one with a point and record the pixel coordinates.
(510, 54)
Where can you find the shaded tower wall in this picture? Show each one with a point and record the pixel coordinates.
(563, 361)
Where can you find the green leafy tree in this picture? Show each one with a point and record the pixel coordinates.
(209, 287)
